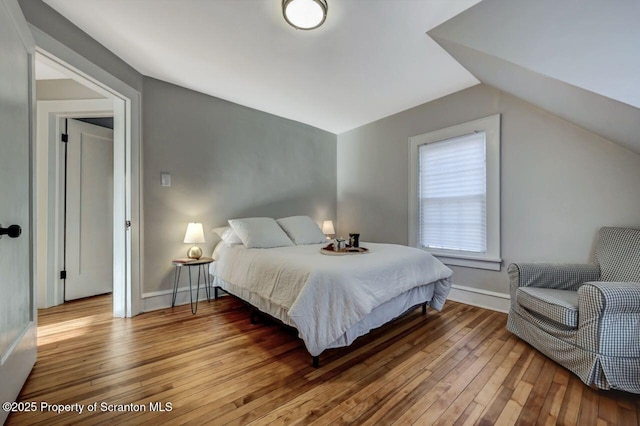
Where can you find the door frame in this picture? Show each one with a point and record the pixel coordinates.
(126, 106)
(49, 175)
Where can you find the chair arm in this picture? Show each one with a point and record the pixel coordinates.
(602, 298)
(561, 276)
(609, 318)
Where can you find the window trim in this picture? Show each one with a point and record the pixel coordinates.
(491, 126)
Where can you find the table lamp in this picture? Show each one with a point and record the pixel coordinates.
(328, 229)
(194, 235)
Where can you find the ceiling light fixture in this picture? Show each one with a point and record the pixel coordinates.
(304, 14)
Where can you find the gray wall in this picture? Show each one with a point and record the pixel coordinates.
(559, 182)
(225, 161)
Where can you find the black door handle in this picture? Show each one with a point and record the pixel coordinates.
(13, 231)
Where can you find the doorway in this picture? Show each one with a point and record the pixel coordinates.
(125, 247)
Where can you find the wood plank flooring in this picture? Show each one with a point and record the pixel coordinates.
(457, 367)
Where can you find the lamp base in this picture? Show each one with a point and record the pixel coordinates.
(194, 252)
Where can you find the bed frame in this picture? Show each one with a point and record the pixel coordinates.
(255, 314)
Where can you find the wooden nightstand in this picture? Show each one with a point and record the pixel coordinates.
(189, 263)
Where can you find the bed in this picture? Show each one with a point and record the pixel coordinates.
(330, 300)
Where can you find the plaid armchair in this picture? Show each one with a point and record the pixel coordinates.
(585, 317)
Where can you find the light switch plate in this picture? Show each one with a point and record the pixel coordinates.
(165, 179)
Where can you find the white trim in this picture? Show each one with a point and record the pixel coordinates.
(491, 126)
(121, 250)
(17, 365)
(482, 298)
(126, 298)
(48, 198)
(469, 262)
(162, 299)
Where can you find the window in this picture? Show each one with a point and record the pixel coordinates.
(452, 194)
(454, 199)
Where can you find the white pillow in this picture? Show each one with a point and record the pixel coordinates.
(260, 232)
(302, 230)
(228, 235)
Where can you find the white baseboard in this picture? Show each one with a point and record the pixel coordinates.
(482, 298)
(162, 299)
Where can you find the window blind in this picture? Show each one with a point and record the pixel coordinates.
(452, 194)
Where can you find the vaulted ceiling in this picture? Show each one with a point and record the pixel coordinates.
(371, 58)
(579, 59)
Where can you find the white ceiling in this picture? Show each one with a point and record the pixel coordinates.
(369, 60)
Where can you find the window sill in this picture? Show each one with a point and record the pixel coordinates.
(492, 264)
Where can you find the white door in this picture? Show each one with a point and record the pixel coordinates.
(17, 291)
(89, 242)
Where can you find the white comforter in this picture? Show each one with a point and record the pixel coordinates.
(325, 295)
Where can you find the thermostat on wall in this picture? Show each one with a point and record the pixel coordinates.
(165, 179)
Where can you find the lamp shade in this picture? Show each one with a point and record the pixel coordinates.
(304, 14)
(327, 227)
(195, 234)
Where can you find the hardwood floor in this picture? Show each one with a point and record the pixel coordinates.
(460, 366)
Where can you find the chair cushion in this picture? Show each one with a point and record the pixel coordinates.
(560, 306)
(618, 253)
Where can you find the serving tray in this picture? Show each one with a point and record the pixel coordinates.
(330, 251)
